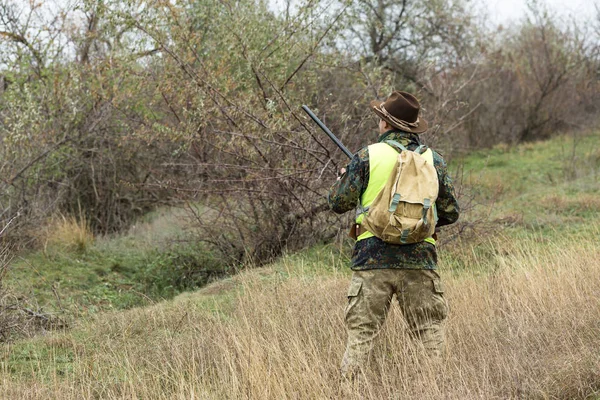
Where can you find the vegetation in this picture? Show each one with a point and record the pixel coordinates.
(151, 262)
(150, 148)
(112, 109)
(522, 323)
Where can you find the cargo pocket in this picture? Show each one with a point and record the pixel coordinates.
(353, 292)
(438, 287)
(439, 305)
(354, 288)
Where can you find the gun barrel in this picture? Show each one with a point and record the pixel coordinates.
(327, 131)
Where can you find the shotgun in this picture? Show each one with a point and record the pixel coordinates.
(328, 132)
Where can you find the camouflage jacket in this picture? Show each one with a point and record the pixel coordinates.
(373, 253)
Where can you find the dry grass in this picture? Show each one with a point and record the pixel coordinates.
(523, 324)
(583, 203)
(67, 233)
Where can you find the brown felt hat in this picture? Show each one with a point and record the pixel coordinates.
(401, 110)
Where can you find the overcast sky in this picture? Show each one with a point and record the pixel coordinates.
(504, 11)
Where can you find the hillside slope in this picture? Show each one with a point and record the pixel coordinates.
(521, 284)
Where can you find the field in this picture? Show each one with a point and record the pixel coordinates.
(521, 282)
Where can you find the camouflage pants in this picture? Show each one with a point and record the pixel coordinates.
(421, 300)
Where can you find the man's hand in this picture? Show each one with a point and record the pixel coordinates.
(342, 172)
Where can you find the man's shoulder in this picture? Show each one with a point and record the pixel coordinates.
(363, 154)
(381, 148)
(438, 158)
(379, 145)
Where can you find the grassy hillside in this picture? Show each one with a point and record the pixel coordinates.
(75, 274)
(522, 291)
(545, 186)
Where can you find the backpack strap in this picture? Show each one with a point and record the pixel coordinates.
(394, 204)
(421, 149)
(426, 207)
(360, 209)
(404, 235)
(397, 145)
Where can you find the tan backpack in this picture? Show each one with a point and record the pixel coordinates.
(404, 210)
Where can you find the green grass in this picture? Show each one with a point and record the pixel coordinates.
(565, 161)
(89, 282)
(549, 187)
(39, 359)
(148, 264)
(541, 163)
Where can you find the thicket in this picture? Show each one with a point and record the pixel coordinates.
(109, 109)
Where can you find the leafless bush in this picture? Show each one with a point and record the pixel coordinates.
(524, 83)
(534, 80)
(19, 319)
(65, 143)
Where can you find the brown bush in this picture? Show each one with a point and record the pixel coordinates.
(528, 83)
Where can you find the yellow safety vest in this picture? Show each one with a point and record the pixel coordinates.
(382, 159)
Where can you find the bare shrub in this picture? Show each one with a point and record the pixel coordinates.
(65, 146)
(482, 88)
(6, 324)
(538, 79)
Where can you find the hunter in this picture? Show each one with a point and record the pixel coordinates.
(382, 268)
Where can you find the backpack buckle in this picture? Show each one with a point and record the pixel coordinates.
(394, 204)
(426, 207)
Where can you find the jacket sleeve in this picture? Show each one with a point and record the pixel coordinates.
(345, 193)
(447, 206)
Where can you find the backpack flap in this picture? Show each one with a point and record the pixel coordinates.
(404, 212)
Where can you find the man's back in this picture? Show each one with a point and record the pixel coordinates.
(373, 253)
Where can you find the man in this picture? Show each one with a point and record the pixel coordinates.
(383, 269)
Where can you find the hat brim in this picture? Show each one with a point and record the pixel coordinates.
(420, 128)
